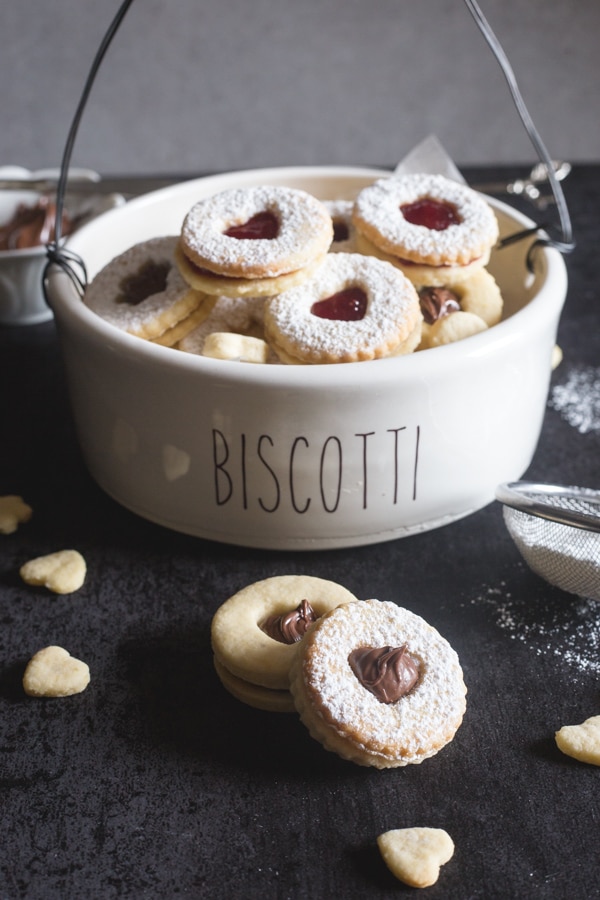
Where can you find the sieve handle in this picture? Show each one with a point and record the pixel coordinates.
(517, 495)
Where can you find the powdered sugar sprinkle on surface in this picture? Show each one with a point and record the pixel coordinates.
(578, 399)
(569, 629)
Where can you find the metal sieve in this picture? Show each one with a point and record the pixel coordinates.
(557, 531)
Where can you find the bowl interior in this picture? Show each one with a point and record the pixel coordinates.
(162, 212)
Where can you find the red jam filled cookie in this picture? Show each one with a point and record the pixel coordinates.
(254, 241)
(429, 226)
(354, 308)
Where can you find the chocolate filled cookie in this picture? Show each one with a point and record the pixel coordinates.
(377, 685)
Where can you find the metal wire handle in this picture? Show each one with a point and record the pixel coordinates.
(70, 263)
(578, 507)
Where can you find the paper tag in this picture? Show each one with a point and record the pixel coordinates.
(430, 158)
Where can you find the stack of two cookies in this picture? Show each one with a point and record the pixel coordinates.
(371, 681)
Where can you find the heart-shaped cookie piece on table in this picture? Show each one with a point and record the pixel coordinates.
(414, 855)
(582, 742)
(62, 572)
(13, 512)
(53, 672)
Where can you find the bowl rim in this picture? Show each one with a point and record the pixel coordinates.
(66, 303)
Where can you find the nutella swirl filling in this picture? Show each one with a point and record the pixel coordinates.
(387, 672)
(289, 628)
(437, 302)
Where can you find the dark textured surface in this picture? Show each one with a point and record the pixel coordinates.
(154, 783)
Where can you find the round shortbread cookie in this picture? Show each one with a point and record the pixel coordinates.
(454, 311)
(451, 328)
(238, 640)
(205, 281)
(355, 308)
(480, 294)
(427, 219)
(256, 232)
(346, 717)
(172, 336)
(269, 699)
(141, 291)
(418, 274)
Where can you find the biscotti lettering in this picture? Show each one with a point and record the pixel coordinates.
(262, 439)
(334, 472)
(297, 508)
(337, 469)
(223, 481)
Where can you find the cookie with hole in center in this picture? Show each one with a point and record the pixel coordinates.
(432, 227)
(253, 241)
(354, 308)
(141, 292)
(378, 685)
(255, 633)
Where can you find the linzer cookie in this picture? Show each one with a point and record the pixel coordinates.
(141, 292)
(377, 685)
(459, 309)
(254, 241)
(354, 308)
(429, 226)
(255, 632)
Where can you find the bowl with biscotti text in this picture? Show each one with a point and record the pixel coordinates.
(306, 456)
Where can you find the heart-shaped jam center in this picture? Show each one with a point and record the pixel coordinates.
(262, 226)
(150, 278)
(349, 305)
(434, 214)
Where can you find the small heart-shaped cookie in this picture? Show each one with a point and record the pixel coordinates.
(62, 572)
(414, 855)
(13, 512)
(582, 742)
(53, 672)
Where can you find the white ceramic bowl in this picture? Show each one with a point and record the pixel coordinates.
(305, 457)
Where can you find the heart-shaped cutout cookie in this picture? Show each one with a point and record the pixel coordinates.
(62, 572)
(582, 742)
(53, 672)
(13, 512)
(414, 855)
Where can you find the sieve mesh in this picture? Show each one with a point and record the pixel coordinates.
(557, 531)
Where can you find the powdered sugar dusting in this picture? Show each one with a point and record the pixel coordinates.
(145, 318)
(578, 399)
(305, 231)
(409, 727)
(392, 312)
(377, 213)
(568, 630)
